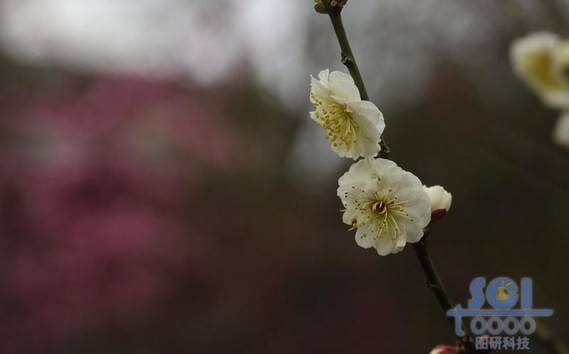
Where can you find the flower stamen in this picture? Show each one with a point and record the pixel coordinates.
(387, 210)
(336, 119)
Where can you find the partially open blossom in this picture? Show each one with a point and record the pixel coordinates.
(536, 59)
(353, 126)
(440, 198)
(445, 349)
(387, 205)
(561, 131)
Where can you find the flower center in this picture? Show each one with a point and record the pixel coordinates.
(341, 128)
(542, 69)
(379, 207)
(385, 212)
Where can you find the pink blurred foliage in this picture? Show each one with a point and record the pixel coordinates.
(127, 114)
(95, 189)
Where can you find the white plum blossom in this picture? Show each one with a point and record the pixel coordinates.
(561, 131)
(386, 204)
(353, 126)
(440, 198)
(537, 60)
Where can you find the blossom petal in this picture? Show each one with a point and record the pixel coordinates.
(343, 87)
(364, 237)
(384, 246)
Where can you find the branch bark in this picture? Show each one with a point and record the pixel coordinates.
(349, 60)
(437, 287)
(434, 281)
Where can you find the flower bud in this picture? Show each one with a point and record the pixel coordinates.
(440, 198)
(320, 7)
(445, 349)
(340, 3)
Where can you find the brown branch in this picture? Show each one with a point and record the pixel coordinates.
(334, 11)
(348, 59)
(437, 287)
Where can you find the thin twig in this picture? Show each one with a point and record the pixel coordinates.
(437, 287)
(434, 281)
(348, 59)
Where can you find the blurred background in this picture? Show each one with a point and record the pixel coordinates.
(163, 190)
